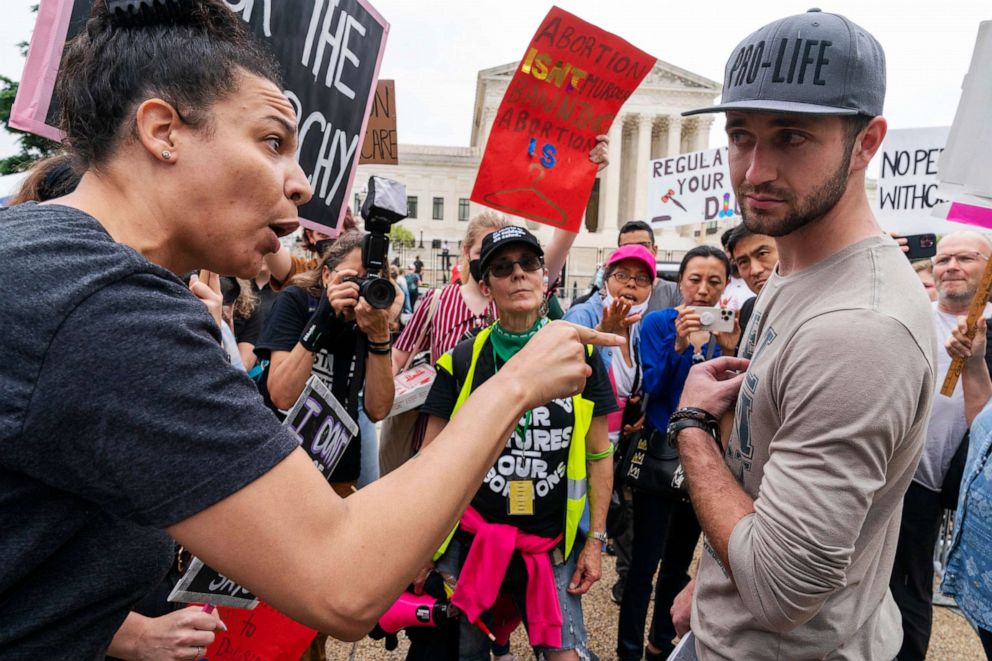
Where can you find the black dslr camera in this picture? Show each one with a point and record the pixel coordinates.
(384, 205)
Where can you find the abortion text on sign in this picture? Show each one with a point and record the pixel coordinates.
(567, 89)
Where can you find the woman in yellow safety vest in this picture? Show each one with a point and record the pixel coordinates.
(512, 555)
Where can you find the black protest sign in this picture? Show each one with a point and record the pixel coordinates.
(322, 426)
(380, 133)
(202, 584)
(324, 430)
(329, 52)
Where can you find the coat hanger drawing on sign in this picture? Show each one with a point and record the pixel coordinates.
(511, 199)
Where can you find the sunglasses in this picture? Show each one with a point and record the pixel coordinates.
(502, 268)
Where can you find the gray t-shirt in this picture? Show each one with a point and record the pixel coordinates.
(829, 426)
(665, 295)
(947, 425)
(119, 416)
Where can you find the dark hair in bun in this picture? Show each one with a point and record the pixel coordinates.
(186, 52)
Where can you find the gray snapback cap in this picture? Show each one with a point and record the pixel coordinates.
(813, 63)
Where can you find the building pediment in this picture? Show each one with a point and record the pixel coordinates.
(664, 76)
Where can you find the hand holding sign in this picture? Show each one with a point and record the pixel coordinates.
(182, 634)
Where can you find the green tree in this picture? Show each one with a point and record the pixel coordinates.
(32, 147)
(401, 236)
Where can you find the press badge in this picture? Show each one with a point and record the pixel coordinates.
(520, 499)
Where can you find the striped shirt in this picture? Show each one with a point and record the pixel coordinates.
(452, 320)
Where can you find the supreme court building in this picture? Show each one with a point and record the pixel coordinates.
(439, 179)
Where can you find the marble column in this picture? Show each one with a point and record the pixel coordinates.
(674, 145)
(643, 165)
(701, 138)
(488, 117)
(610, 179)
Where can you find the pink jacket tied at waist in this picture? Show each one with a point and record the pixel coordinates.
(481, 576)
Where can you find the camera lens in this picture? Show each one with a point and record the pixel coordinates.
(379, 292)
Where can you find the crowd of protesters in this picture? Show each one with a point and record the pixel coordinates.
(150, 361)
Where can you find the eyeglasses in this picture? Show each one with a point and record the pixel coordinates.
(963, 258)
(642, 280)
(643, 244)
(502, 268)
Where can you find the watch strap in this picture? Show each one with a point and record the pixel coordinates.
(675, 426)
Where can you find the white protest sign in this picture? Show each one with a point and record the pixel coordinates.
(907, 183)
(691, 188)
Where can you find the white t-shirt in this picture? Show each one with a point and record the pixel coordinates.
(736, 293)
(947, 424)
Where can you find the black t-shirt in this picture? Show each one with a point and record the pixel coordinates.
(249, 329)
(335, 361)
(119, 416)
(537, 451)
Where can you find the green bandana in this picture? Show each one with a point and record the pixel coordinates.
(506, 343)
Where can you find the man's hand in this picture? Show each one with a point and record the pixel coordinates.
(588, 568)
(553, 363)
(959, 345)
(713, 385)
(616, 319)
(372, 321)
(681, 610)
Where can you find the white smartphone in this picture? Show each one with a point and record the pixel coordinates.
(720, 320)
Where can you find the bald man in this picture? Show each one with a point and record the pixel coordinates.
(957, 271)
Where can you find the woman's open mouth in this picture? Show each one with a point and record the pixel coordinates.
(284, 227)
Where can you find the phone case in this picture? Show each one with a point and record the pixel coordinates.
(717, 319)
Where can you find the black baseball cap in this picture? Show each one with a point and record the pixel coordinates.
(814, 63)
(492, 243)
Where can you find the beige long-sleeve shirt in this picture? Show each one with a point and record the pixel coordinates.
(828, 431)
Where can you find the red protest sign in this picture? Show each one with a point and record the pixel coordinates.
(570, 84)
(262, 634)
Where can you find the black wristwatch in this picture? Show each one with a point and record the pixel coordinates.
(692, 417)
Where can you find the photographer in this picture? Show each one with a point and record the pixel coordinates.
(315, 327)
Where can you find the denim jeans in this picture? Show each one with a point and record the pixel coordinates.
(665, 530)
(473, 645)
(369, 438)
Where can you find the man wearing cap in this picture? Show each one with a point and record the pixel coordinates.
(800, 506)
(665, 293)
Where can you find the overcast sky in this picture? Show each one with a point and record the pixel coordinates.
(437, 47)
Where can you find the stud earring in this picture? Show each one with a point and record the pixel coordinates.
(166, 154)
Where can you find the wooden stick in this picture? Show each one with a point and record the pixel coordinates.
(974, 312)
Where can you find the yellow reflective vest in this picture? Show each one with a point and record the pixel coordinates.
(575, 469)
